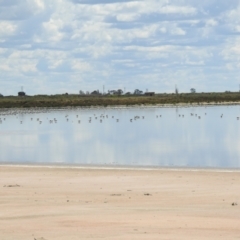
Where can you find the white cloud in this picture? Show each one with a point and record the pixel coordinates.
(80, 66)
(40, 4)
(211, 22)
(7, 29)
(237, 28)
(20, 10)
(231, 53)
(52, 28)
(127, 17)
(52, 39)
(18, 66)
(178, 10)
(179, 54)
(233, 14)
(177, 31)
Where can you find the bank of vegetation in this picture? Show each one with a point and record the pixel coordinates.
(67, 100)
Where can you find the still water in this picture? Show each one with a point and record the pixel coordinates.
(195, 137)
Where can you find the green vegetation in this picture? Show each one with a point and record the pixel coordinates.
(110, 100)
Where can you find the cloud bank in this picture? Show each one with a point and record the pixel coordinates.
(58, 46)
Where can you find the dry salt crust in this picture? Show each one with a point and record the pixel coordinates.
(58, 203)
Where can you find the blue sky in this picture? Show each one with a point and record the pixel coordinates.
(58, 46)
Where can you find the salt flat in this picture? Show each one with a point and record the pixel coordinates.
(70, 203)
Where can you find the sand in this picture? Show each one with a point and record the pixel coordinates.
(58, 204)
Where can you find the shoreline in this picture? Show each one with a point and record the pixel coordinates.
(60, 204)
(119, 168)
(90, 107)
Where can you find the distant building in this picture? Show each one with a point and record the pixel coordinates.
(21, 94)
(150, 93)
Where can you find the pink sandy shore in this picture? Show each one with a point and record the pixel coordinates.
(73, 203)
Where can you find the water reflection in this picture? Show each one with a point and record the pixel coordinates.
(165, 137)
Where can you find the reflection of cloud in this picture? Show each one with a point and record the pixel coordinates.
(18, 147)
(232, 144)
(19, 140)
(160, 147)
(101, 153)
(82, 136)
(56, 148)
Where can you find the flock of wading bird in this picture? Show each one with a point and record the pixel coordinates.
(95, 117)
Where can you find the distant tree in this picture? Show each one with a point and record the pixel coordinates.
(81, 92)
(119, 91)
(95, 92)
(127, 93)
(137, 92)
(193, 90)
(87, 93)
(1, 95)
(112, 92)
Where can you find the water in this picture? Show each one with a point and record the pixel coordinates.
(191, 137)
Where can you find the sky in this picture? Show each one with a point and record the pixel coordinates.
(59, 46)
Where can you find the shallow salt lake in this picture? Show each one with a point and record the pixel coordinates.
(189, 137)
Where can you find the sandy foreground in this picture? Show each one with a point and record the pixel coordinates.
(55, 204)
